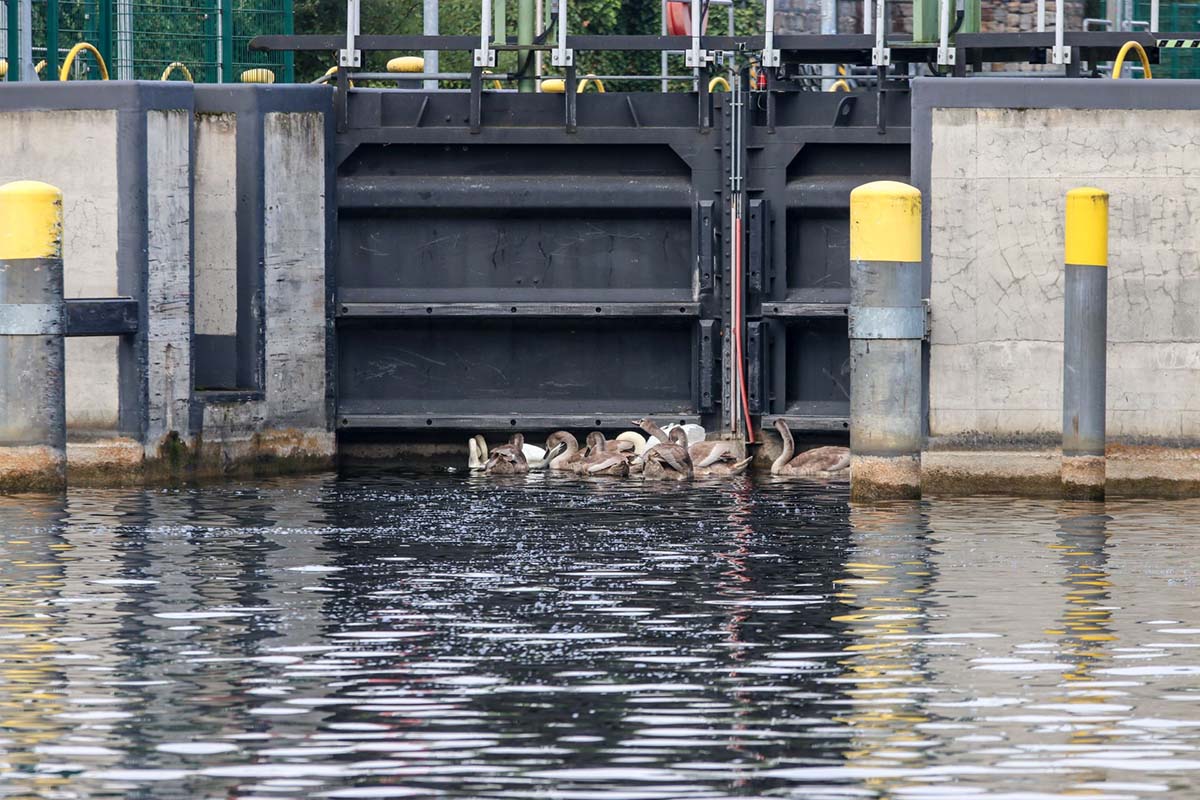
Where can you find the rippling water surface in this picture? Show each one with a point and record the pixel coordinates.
(437, 634)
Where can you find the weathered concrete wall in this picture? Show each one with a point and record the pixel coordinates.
(216, 217)
(996, 185)
(76, 150)
(266, 143)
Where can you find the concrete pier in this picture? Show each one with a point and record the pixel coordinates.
(887, 323)
(32, 395)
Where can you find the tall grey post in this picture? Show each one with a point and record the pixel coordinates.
(33, 417)
(887, 325)
(1085, 342)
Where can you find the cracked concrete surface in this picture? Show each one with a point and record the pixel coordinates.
(999, 178)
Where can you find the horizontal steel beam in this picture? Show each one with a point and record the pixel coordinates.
(386, 310)
(809, 424)
(414, 195)
(108, 316)
(515, 422)
(794, 309)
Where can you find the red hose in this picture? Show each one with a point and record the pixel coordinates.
(737, 328)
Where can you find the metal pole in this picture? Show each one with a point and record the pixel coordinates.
(1154, 15)
(1085, 339)
(33, 415)
(526, 9)
(887, 325)
(1062, 55)
(429, 26)
(289, 56)
(351, 56)
(124, 28)
(538, 25)
(1041, 15)
(867, 16)
(663, 56)
(25, 37)
(770, 55)
(52, 37)
(227, 75)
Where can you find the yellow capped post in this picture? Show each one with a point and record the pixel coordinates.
(33, 427)
(1085, 344)
(886, 326)
(1087, 227)
(30, 220)
(885, 222)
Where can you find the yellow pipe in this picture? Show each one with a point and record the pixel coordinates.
(174, 65)
(838, 85)
(718, 81)
(333, 71)
(1124, 51)
(583, 84)
(38, 67)
(65, 71)
(3, 68)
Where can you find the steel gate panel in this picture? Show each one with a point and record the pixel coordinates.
(800, 171)
(524, 275)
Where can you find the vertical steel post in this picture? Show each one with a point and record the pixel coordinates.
(33, 416)
(887, 324)
(526, 9)
(52, 37)
(227, 42)
(289, 56)
(12, 48)
(429, 26)
(25, 39)
(1085, 340)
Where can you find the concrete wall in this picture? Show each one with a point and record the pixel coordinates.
(216, 216)
(998, 184)
(995, 168)
(76, 150)
(217, 223)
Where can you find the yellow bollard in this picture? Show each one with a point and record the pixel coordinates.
(1085, 343)
(258, 75)
(553, 86)
(33, 427)
(3, 68)
(886, 327)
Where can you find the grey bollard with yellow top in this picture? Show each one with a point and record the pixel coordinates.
(887, 326)
(1085, 343)
(33, 428)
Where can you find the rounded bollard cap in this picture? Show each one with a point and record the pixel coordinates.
(885, 222)
(30, 220)
(553, 85)
(1087, 227)
(258, 75)
(406, 64)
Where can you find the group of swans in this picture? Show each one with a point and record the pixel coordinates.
(678, 452)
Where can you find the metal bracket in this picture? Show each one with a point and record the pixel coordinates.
(561, 56)
(896, 322)
(708, 363)
(881, 54)
(350, 55)
(484, 55)
(705, 211)
(845, 108)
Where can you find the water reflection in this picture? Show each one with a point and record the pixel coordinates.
(416, 635)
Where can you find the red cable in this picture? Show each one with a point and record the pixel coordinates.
(737, 329)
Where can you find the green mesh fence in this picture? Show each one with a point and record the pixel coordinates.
(140, 39)
(1175, 18)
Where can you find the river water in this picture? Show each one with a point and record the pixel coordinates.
(416, 635)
